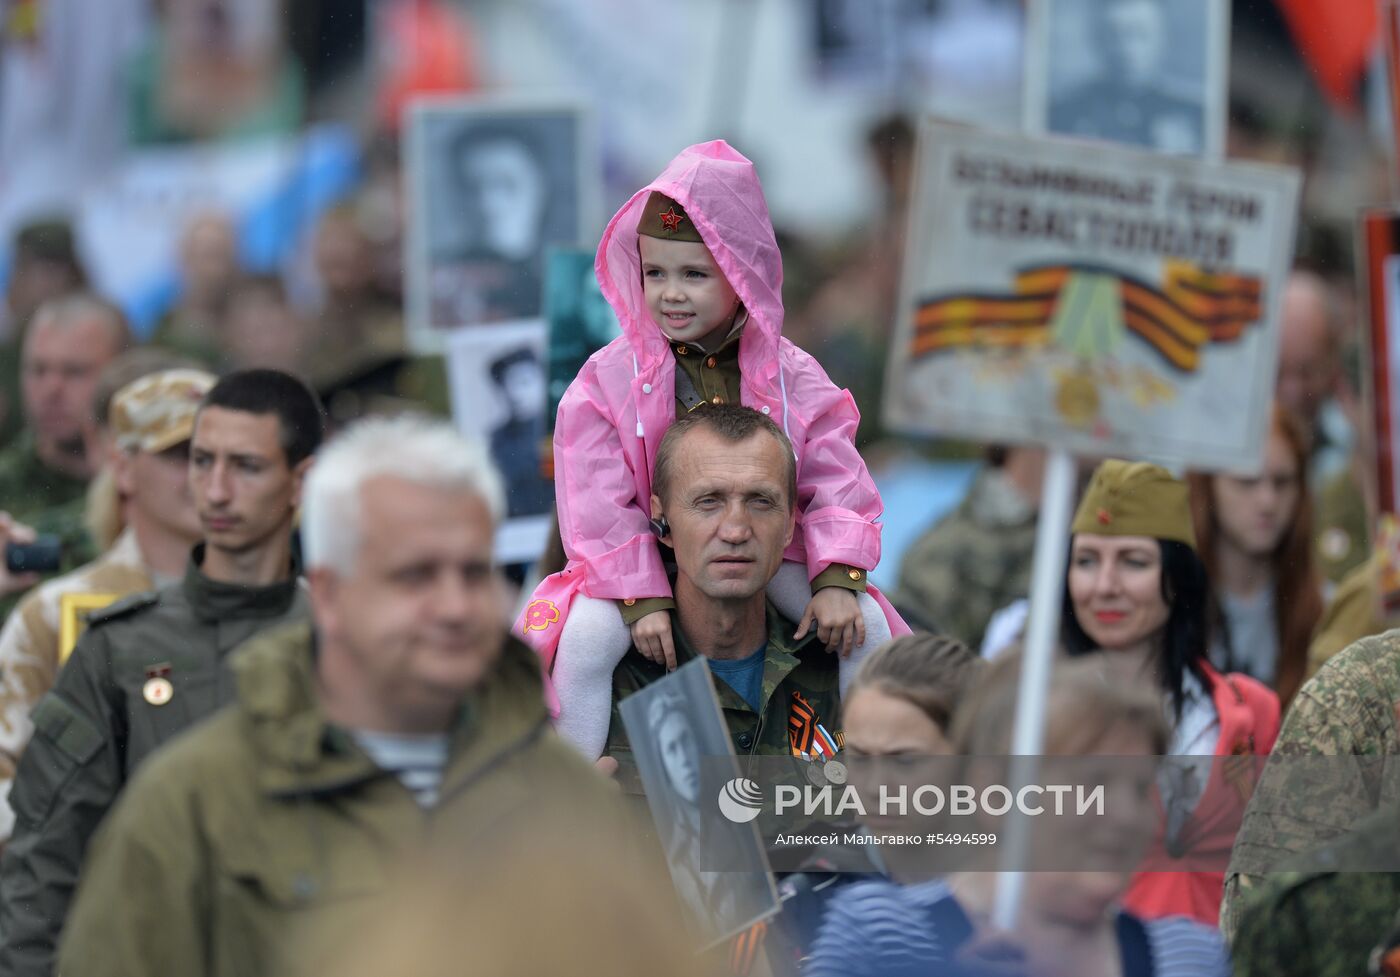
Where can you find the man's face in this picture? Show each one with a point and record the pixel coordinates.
(524, 388)
(245, 491)
(60, 367)
(33, 281)
(420, 615)
(679, 757)
(1133, 38)
(1307, 365)
(210, 259)
(504, 191)
(729, 512)
(158, 487)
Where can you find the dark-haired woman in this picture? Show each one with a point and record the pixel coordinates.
(1136, 593)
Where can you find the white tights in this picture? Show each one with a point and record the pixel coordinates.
(595, 640)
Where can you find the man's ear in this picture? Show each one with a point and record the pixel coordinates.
(660, 528)
(321, 584)
(123, 475)
(299, 479)
(791, 526)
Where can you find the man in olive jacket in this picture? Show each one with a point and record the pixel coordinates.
(404, 716)
(151, 665)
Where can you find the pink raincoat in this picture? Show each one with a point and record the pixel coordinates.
(612, 417)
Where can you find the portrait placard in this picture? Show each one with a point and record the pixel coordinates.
(1098, 299)
(493, 183)
(718, 864)
(1147, 73)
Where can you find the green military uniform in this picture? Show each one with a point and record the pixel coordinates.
(802, 668)
(28, 487)
(267, 830)
(713, 378)
(1341, 527)
(973, 562)
(1326, 918)
(147, 668)
(1347, 710)
(47, 501)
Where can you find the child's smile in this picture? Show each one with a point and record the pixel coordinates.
(687, 295)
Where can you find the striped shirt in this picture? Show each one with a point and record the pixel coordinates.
(882, 929)
(418, 761)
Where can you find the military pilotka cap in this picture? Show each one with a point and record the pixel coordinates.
(664, 218)
(1136, 499)
(157, 411)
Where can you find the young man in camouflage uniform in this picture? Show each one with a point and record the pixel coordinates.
(1327, 771)
(152, 665)
(150, 423)
(724, 501)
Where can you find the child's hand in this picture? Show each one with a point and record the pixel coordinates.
(836, 613)
(652, 636)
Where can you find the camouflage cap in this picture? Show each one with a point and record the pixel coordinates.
(1136, 499)
(664, 218)
(157, 411)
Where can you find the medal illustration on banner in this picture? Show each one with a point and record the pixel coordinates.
(1089, 312)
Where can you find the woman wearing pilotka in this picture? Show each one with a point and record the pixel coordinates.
(1136, 595)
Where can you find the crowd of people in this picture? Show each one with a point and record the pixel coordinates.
(274, 706)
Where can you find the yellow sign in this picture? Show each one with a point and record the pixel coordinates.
(73, 610)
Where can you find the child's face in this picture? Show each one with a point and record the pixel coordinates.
(687, 295)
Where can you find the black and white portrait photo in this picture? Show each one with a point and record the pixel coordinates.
(1147, 73)
(492, 187)
(718, 866)
(498, 383)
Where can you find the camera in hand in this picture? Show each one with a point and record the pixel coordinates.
(41, 556)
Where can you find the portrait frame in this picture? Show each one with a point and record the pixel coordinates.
(492, 183)
(481, 410)
(1190, 88)
(747, 889)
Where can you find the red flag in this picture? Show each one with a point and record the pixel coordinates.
(1336, 38)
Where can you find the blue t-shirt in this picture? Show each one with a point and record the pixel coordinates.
(744, 675)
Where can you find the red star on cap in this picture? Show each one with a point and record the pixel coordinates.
(672, 220)
(1104, 517)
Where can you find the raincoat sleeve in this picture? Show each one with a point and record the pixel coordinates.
(840, 503)
(603, 524)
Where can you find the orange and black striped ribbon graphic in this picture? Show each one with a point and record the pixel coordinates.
(744, 949)
(1192, 309)
(802, 724)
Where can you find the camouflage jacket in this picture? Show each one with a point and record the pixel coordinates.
(28, 487)
(1325, 918)
(33, 644)
(973, 562)
(1347, 714)
(804, 668)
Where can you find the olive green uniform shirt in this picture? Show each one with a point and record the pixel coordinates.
(714, 379)
(146, 669)
(266, 835)
(791, 668)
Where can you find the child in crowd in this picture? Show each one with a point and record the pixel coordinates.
(691, 267)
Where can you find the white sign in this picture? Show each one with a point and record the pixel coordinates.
(1093, 298)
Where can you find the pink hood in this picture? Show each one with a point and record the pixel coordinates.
(612, 417)
(719, 190)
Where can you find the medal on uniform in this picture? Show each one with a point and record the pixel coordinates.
(158, 690)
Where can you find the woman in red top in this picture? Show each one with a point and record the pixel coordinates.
(1137, 593)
